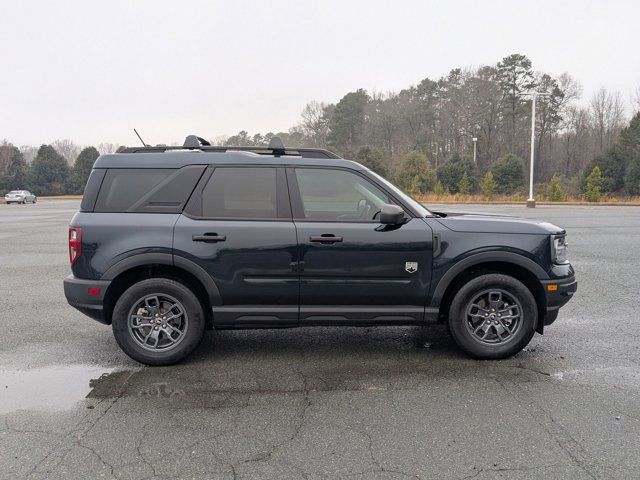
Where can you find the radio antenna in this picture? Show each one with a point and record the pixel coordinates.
(143, 144)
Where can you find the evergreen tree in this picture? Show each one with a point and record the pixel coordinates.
(374, 159)
(439, 188)
(451, 172)
(632, 178)
(415, 164)
(15, 176)
(509, 174)
(488, 185)
(554, 191)
(464, 187)
(49, 172)
(593, 190)
(346, 125)
(82, 168)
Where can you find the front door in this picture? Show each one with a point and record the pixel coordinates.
(238, 228)
(352, 268)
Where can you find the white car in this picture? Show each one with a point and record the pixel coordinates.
(20, 196)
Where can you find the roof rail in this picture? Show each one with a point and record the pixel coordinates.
(275, 147)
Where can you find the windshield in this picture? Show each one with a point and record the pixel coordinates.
(417, 206)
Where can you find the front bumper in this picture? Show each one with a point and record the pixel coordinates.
(558, 293)
(87, 296)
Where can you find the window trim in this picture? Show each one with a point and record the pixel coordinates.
(297, 206)
(195, 208)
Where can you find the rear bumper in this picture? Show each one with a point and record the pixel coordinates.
(86, 296)
(558, 293)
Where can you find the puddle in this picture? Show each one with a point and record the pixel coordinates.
(48, 388)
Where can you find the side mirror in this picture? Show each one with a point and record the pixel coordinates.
(391, 215)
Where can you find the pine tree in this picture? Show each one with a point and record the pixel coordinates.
(554, 190)
(464, 187)
(488, 186)
(593, 190)
(439, 189)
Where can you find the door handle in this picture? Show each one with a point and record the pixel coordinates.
(209, 238)
(325, 238)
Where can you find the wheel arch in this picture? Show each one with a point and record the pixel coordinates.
(517, 266)
(131, 270)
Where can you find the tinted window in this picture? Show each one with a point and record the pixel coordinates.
(241, 193)
(122, 187)
(338, 195)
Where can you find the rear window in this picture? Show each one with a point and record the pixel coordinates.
(161, 190)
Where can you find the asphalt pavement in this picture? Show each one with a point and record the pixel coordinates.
(360, 403)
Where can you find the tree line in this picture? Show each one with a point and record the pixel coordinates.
(422, 137)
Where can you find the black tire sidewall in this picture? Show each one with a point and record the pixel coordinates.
(457, 316)
(180, 292)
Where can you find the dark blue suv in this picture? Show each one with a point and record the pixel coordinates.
(171, 241)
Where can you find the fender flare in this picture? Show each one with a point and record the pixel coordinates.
(484, 257)
(189, 266)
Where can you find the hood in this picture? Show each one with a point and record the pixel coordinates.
(490, 223)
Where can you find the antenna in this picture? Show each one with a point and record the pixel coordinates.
(143, 144)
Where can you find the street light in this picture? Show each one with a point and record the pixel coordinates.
(531, 203)
(475, 140)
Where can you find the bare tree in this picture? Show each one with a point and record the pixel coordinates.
(607, 116)
(315, 123)
(107, 147)
(67, 149)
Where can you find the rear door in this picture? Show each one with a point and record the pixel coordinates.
(238, 228)
(353, 269)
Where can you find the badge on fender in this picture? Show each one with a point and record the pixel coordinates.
(411, 267)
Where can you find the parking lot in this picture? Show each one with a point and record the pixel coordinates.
(317, 403)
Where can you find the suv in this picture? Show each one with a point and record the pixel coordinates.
(171, 241)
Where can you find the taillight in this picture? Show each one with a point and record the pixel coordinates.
(75, 243)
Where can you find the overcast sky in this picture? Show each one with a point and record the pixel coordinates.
(91, 71)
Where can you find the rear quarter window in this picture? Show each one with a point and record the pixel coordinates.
(148, 190)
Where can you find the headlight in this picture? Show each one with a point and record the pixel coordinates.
(559, 249)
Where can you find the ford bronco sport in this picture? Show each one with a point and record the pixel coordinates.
(171, 241)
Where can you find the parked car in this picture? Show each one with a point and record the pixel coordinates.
(20, 196)
(171, 241)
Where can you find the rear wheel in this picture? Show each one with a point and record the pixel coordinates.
(493, 316)
(158, 321)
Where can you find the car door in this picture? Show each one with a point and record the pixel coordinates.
(238, 227)
(352, 268)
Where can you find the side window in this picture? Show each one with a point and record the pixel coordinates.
(241, 192)
(338, 195)
(122, 187)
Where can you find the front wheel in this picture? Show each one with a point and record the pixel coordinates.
(158, 321)
(493, 316)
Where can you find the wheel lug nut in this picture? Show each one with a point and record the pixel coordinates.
(155, 328)
(164, 326)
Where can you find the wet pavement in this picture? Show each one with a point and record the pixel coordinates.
(317, 403)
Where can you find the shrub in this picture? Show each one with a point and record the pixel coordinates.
(450, 174)
(415, 173)
(508, 173)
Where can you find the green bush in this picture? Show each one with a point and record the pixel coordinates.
(415, 174)
(508, 173)
(450, 174)
(632, 177)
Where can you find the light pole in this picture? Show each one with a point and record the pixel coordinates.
(531, 203)
(475, 140)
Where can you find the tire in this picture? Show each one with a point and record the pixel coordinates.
(471, 309)
(24, 202)
(138, 300)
